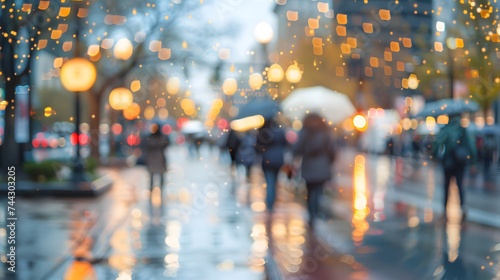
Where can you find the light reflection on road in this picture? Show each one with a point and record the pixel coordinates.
(361, 209)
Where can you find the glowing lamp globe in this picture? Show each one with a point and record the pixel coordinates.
(275, 73)
(120, 98)
(173, 85)
(78, 74)
(229, 86)
(255, 81)
(293, 74)
(263, 32)
(123, 49)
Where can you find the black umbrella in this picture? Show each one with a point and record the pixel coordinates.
(266, 107)
(447, 107)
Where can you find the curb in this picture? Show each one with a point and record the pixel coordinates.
(61, 189)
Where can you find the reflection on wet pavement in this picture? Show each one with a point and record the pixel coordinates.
(377, 225)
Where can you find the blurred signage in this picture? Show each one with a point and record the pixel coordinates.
(21, 115)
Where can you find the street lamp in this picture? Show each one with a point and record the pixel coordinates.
(293, 74)
(78, 75)
(263, 32)
(255, 81)
(123, 49)
(451, 44)
(275, 73)
(230, 86)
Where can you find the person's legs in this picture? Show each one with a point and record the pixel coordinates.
(459, 176)
(271, 176)
(162, 180)
(151, 181)
(314, 192)
(447, 179)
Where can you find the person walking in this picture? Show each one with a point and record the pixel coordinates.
(271, 145)
(315, 147)
(455, 148)
(245, 154)
(156, 161)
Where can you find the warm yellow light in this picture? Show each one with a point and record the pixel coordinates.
(293, 74)
(275, 73)
(78, 74)
(360, 123)
(244, 124)
(173, 85)
(229, 86)
(48, 111)
(292, 15)
(3, 105)
(132, 112)
(413, 81)
(163, 113)
(263, 32)
(367, 27)
(123, 49)
(384, 14)
(149, 113)
(120, 98)
(135, 85)
(442, 119)
(255, 81)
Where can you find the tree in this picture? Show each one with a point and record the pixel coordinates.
(19, 28)
(475, 29)
(166, 36)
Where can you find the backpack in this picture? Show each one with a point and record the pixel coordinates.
(455, 149)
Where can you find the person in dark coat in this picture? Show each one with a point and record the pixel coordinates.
(232, 144)
(156, 161)
(245, 154)
(315, 147)
(271, 145)
(455, 148)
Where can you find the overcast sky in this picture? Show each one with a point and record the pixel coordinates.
(247, 14)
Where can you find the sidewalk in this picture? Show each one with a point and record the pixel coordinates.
(197, 230)
(194, 230)
(421, 183)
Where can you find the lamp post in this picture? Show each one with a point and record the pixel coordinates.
(78, 75)
(263, 33)
(451, 44)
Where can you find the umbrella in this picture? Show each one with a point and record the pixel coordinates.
(423, 129)
(332, 105)
(447, 107)
(193, 126)
(264, 106)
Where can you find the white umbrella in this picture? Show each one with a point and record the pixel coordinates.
(332, 105)
(193, 126)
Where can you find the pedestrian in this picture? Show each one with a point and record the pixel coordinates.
(156, 161)
(455, 148)
(315, 148)
(245, 154)
(488, 149)
(231, 144)
(271, 145)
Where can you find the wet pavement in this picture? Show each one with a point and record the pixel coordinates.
(382, 220)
